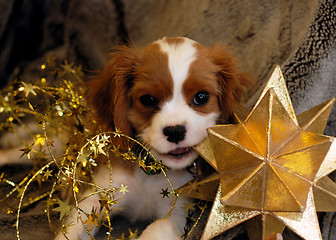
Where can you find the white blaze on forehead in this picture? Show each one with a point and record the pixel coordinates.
(180, 56)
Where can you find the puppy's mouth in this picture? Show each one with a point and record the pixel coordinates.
(180, 152)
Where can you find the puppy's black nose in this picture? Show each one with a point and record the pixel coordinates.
(175, 134)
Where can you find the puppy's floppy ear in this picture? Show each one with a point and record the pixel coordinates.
(231, 81)
(107, 92)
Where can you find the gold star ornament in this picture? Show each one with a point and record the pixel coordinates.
(271, 168)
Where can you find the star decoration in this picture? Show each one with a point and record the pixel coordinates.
(141, 162)
(270, 168)
(104, 204)
(106, 201)
(84, 156)
(39, 140)
(97, 146)
(92, 219)
(26, 151)
(116, 151)
(123, 189)
(165, 193)
(28, 88)
(122, 237)
(105, 139)
(133, 235)
(68, 69)
(64, 208)
(47, 174)
(189, 206)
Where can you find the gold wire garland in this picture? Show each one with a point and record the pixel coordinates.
(55, 100)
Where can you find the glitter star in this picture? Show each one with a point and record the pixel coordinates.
(92, 219)
(67, 69)
(40, 140)
(29, 88)
(84, 156)
(48, 174)
(123, 189)
(97, 146)
(133, 235)
(122, 237)
(165, 193)
(189, 206)
(64, 208)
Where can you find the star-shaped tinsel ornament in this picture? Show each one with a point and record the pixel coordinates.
(64, 208)
(92, 219)
(28, 88)
(271, 168)
(123, 189)
(165, 193)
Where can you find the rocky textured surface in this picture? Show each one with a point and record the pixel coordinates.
(311, 71)
(298, 35)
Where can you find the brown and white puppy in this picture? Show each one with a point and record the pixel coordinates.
(166, 94)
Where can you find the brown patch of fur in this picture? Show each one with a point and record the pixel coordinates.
(152, 77)
(174, 40)
(107, 93)
(202, 77)
(231, 81)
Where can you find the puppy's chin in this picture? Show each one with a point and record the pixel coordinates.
(174, 160)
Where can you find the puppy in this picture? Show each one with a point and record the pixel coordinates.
(166, 94)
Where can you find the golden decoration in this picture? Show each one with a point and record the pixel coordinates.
(28, 89)
(92, 219)
(270, 168)
(55, 103)
(123, 189)
(64, 208)
(165, 193)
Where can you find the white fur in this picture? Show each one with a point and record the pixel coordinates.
(179, 59)
(177, 111)
(143, 201)
(173, 113)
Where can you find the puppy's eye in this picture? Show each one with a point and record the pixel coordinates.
(201, 98)
(148, 100)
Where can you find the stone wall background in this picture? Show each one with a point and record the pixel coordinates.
(298, 35)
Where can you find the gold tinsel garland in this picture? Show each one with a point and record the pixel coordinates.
(56, 103)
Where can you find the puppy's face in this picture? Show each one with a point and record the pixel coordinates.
(168, 94)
